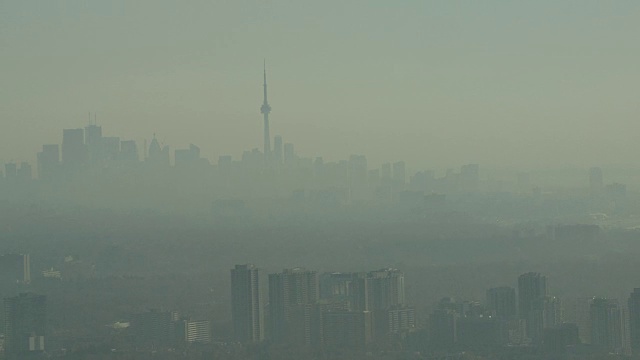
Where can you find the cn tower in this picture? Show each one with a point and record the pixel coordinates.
(265, 109)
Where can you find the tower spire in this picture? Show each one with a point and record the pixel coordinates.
(265, 109)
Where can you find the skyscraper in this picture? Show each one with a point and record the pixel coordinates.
(48, 161)
(289, 294)
(634, 320)
(399, 175)
(352, 329)
(265, 109)
(501, 302)
(74, 151)
(246, 307)
(158, 155)
(606, 325)
(25, 325)
(277, 150)
(15, 268)
(532, 291)
(129, 151)
(153, 327)
(93, 141)
(289, 154)
(385, 288)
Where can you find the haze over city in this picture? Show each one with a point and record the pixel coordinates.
(336, 180)
(437, 84)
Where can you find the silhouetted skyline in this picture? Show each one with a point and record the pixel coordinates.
(436, 84)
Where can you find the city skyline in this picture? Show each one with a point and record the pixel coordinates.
(434, 92)
(437, 180)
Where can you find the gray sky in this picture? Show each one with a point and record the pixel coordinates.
(436, 83)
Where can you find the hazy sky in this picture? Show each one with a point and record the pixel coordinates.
(436, 83)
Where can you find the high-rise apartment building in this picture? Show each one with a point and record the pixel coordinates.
(197, 331)
(607, 325)
(25, 325)
(351, 329)
(532, 291)
(15, 268)
(246, 305)
(154, 328)
(385, 289)
(634, 320)
(501, 302)
(399, 175)
(290, 293)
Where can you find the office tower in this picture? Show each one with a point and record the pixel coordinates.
(93, 141)
(158, 155)
(129, 151)
(289, 155)
(501, 302)
(278, 155)
(265, 109)
(92, 134)
(25, 325)
(25, 171)
(48, 161)
(596, 180)
(246, 306)
(349, 329)
(606, 325)
(111, 148)
(15, 268)
(634, 320)
(532, 290)
(74, 151)
(187, 157)
(289, 294)
(399, 174)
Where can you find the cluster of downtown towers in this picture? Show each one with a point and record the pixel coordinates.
(357, 309)
(86, 155)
